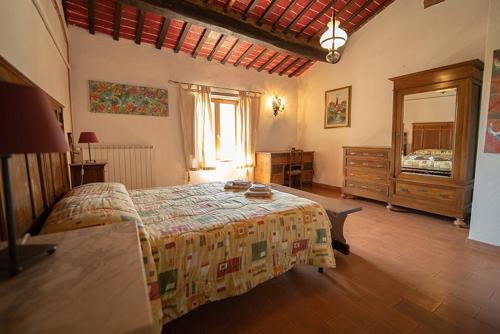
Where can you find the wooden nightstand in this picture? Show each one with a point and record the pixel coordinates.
(93, 172)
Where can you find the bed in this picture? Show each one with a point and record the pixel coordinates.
(428, 161)
(201, 243)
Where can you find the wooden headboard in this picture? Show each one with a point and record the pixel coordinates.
(38, 180)
(436, 135)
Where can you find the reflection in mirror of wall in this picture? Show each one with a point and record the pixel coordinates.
(428, 132)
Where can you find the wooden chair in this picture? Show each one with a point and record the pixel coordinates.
(294, 169)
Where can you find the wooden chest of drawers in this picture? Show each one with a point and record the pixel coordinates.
(270, 166)
(367, 172)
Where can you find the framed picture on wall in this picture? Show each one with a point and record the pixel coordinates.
(338, 108)
(492, 141)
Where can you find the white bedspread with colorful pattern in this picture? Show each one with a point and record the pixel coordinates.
(202, 243)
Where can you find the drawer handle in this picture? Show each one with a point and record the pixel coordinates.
(442, 195)
(380, 166)
(365, 164)
(379, 155)
(365, 153)
(364, 187)
(379, 190)
(404, 190)
(423, 190)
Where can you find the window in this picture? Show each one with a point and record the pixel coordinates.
(225, 128)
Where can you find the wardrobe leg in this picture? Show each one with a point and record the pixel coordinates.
(460, 222)
(389, 206)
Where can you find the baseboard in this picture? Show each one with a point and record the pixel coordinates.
(327, 186)
(483, 245)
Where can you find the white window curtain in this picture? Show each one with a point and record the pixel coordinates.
(198, 127)
(247, 120)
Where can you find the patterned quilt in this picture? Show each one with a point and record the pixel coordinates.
(428, 160)
(207, 244)
(201, 243)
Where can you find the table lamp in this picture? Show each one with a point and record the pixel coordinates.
(27, 125)
(87, 138)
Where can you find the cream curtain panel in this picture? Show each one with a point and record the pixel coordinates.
(198, 127)
(247, 120)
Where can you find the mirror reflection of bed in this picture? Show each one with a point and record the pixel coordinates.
(429, 127)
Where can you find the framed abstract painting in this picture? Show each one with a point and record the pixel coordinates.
(492, 140)
(114, 98)
(338, 108)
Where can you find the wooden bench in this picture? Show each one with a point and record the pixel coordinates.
(337, 210)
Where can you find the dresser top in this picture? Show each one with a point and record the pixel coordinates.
(93, 283)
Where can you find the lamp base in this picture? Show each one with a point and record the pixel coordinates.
(27, 255)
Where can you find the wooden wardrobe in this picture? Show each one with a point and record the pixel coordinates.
(451, 194)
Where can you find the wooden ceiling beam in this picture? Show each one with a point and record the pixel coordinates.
(140, 26)
(163, 33)
(355, 14)
(284, 14)
(228, 55)
(182, 38)
(367, 18)
(229, 4)
(217, 46)
(269, 9)
(269, 61)
(286, 69)
(299, 16)
(229, 24)
(200, 43)
(91, 15)
(316, 18)
(249, 9)
(294, 73)
(244, 55)
(429, 3)
(250, 64)
(271, 71)
(117, 21)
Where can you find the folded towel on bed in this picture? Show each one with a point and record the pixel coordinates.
(237, 185)
(259, 191)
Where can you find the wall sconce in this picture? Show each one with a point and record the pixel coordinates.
(278, 105)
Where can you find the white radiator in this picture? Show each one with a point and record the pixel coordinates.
(131, 165)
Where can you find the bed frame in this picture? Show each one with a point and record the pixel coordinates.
(38, 180)
(432, 135)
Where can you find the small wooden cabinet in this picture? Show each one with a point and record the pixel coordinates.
(367, 172)
(270, 167)
(93, 172)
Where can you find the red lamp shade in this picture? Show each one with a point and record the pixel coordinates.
(88, 137)
(27, 121)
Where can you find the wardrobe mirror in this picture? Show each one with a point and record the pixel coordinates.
(428, 132)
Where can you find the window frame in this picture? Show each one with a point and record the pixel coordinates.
(217, 101)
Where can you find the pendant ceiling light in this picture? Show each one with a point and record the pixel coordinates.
(333, 38)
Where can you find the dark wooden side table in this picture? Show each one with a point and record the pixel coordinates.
(93, 172)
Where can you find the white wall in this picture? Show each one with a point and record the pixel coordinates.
(99, 57)
(402, 39)
(26, 43)
(485, 220)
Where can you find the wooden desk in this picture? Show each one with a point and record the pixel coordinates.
(270, 166)
(336, 209)
(93, 172)
(93, 283)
